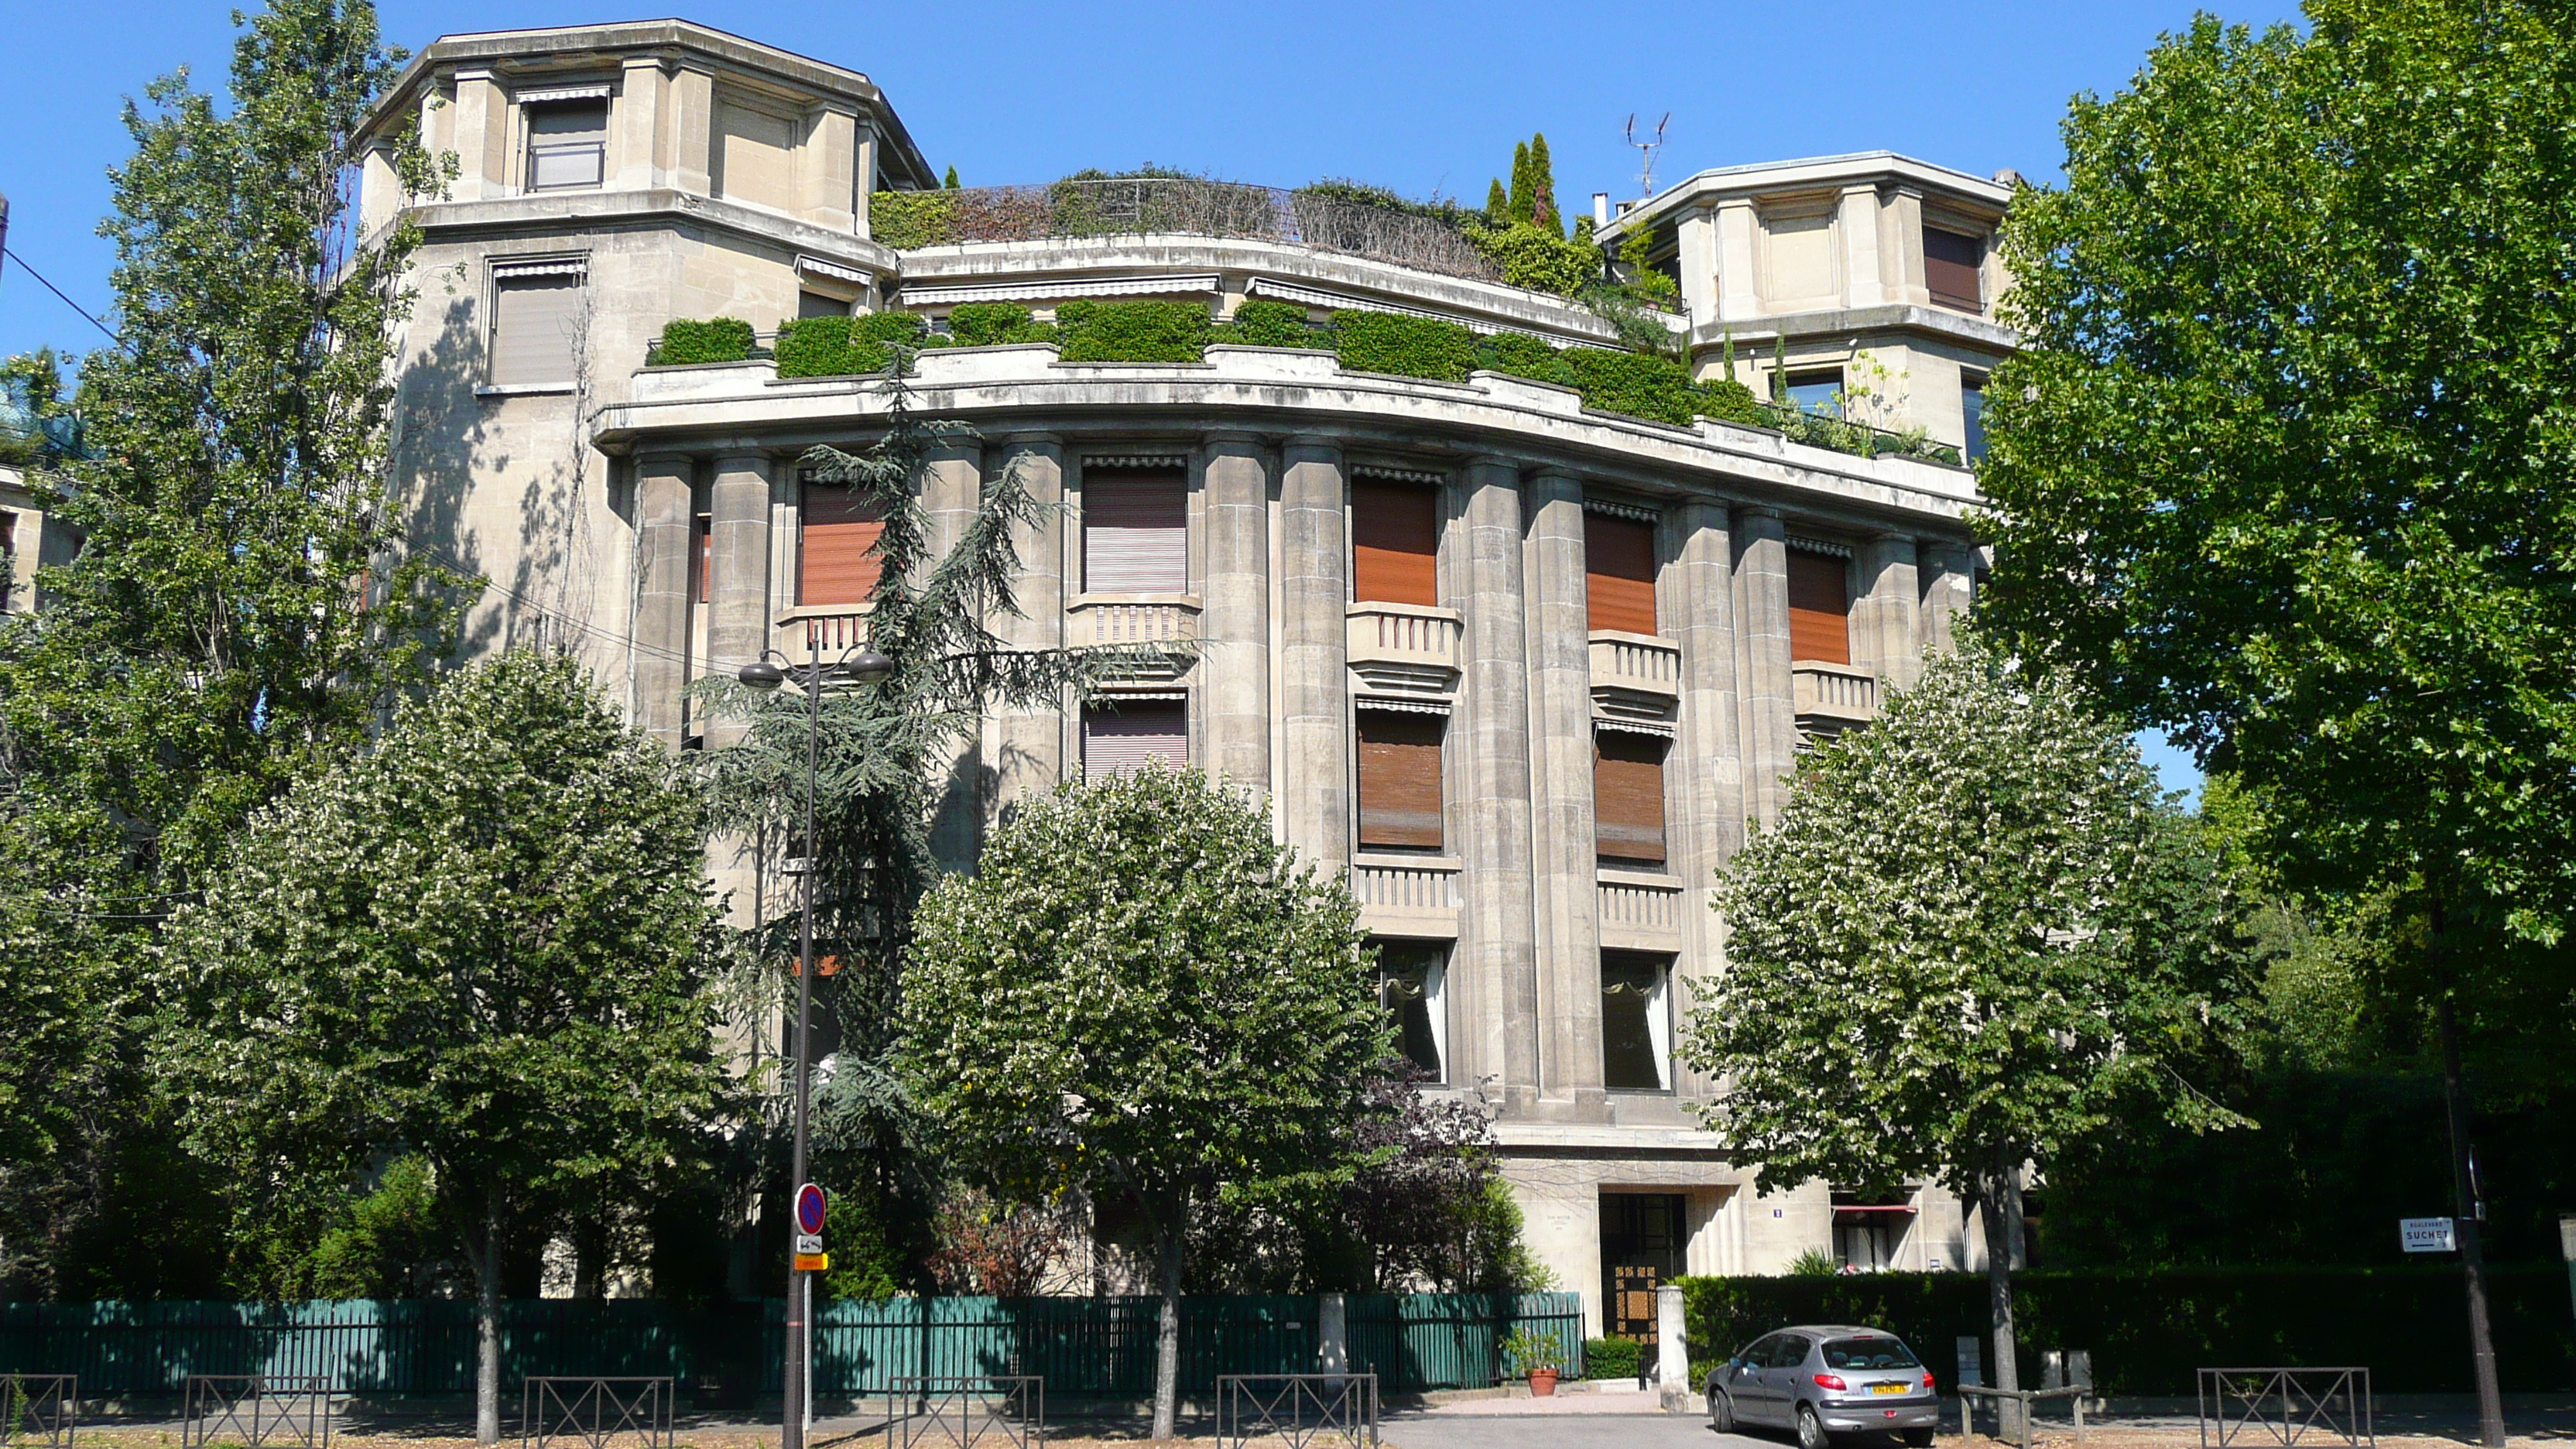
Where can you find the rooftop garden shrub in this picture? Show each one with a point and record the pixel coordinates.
(1405, 346)
(716, 339)
(995, 324)
(1138, 331)
(905, 219)
(1521, 355)
(1540, 258)
(847, 346)
(1270, 324)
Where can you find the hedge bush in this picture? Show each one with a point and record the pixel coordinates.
(902, 219)
(1269, 324)
(2148, 1329)
(846, 346)
(994, 324)
(1610, 1358)
(1405, 346)
(1140, 331)
(716, 339)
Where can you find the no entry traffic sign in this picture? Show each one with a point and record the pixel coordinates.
(809, 1209)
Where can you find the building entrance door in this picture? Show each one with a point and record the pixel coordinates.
(1641, 1250)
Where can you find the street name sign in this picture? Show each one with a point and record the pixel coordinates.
(2426, 1235)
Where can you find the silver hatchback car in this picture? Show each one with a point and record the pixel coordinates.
(1826, 1381)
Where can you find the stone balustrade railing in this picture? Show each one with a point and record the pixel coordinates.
(1832, 697)
(1404, 649)
(1639, 910)
(1635, 676)
(1420, 887)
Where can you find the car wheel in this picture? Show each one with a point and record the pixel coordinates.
(1811, 1430)
(1721, 1411)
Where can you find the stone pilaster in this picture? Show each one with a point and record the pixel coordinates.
(951, 486)
(665, 551)
(738, 569)
(1863, 280)
(1314, 680)
(1695, 238)
(482, 137)
(692, 123)
(1762, 614)
(1886, 626)
(637, 149)
(1564, 853)
(1698, 597)
(1947, 577)
(1236, 626)
(1024, 745)
(1494, 971)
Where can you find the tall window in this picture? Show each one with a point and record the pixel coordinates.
(1951, 261)
(1819, 607)
(1972, 413)
(1628, 797)
(1400, 795)
(836, 560)
(1135, 532)
(1818, 392)
(567, 145)
(1120, 735)
(1636, 1022)
(1411, 981)
(1395, 541)
(536, 325)
(1619, 572)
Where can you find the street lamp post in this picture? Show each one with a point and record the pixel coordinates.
(865, 666)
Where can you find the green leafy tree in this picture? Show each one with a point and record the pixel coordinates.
(2282, 469)
(239, 611)
(1140, 995)
(1977, 936)
(486, 941)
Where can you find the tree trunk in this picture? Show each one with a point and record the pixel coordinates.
(1167, 1340)
(2469, 1211)
(1999, 1208)
(487, 1327)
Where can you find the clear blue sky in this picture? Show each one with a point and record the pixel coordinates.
(1416, 97)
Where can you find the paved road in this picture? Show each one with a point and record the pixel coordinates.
(1449, 1429)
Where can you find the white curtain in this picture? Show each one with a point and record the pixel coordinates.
(1436, 1006)
(1659, 1026)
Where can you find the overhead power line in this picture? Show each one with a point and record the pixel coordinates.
(67, 301)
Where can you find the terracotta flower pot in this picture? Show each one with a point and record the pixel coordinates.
(1542, 1383)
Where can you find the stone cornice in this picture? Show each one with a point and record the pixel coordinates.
(582, 213)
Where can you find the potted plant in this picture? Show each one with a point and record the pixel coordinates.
(1535, 1356)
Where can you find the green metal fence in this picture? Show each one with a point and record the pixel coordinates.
(731, 1352)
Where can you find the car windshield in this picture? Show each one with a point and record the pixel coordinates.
(1869, 1353)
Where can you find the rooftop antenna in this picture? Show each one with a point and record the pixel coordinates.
(1646, 152)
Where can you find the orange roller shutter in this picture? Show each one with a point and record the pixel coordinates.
(1819, 607)
(1395, 541)
(1628, 796)
(1135, 533)
(1400, 779)
(839, 561)
(1619, 572)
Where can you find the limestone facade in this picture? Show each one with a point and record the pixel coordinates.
(652, 520)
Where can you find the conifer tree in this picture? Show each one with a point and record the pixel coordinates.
(1543, 186)
(1521, 181)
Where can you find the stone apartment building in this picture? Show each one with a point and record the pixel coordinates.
(1525, 670)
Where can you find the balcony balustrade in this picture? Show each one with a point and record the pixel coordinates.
(1831, 698)
(1404, 649)
(1139, 623)
(1639, 911)
(1635, 676)
(1405, 890)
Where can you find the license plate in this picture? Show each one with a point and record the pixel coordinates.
(1888, 1388)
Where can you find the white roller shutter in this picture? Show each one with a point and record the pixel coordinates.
(536, 325)
(1134, 734)
(1135, 533)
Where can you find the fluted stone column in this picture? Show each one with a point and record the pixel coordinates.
(1024, 743)
(1771, 721)
(1565, 850)
(1885, 625)
(951, 487)
(661, 634)
(1495, 966)
(1236, 626)
(1947, 577)
(1698, 598)
(1314, 648)
(738, 570)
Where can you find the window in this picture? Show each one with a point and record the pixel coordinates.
(536, 326)
(705, 583)
(1411, 978)
(1950, 265)
(1972, 413)
(836, 559)
(1120, 735)
(1400, 794)
(1819, 607)
(1817, 392)
(818, 304)
(567, 145)
(1636, 1024)
(1395, 540)
(1619, 572)
(1135, 532)
(1628, 796)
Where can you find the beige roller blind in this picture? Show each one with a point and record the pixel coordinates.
(1135, 533)
(536, 324)
(1133, 734)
